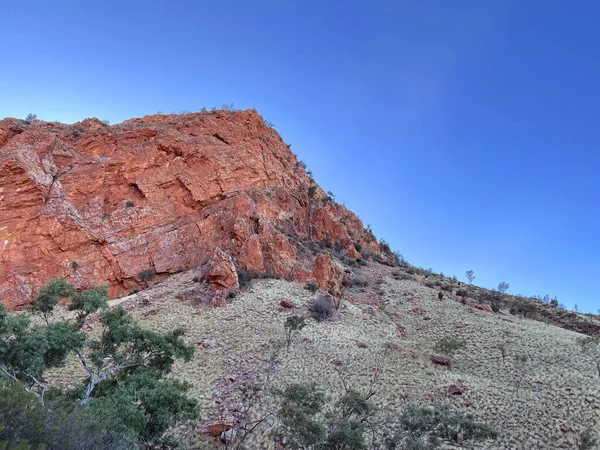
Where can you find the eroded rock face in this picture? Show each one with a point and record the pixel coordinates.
(97, 204)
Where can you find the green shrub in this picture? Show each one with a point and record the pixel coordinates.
(299, 406)
(523, 308)
(449, 346)
(424, 427)
(293, 325)
(311, 286)
(129, 204)
(146, 275)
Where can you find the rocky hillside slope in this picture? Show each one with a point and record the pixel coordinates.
(530, 380)
(98, 204)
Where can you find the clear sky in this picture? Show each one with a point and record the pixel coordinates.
(467, 133)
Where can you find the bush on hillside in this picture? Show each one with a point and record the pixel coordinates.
(321, 309)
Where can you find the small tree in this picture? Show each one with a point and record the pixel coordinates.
(293, 325)
(503, 287)
(470, 276)
(49, 296)
(299, 406)
(31, 118)
(124, 345)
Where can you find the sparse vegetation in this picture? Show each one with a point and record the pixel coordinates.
(293, 325)
(503, 287)
(31, 118)
(129, 204)
(470, 276)
(449, 346)
(146, 276)
(312, 286)
(423, 427)
(321, 309)
(356, 281)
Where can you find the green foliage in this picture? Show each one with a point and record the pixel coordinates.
(88, 302)
(26, 352)
(449, 346)
(146, 275)
(126, 390)
(311, 286)
(524, 308)
(429, 425)
(49, 297)
(345, 434)
(31, 118)
(299, 406)
(26, 424)
(22, 422)
(587, 440)
(293, 325)
(129, 204)
(146, 403)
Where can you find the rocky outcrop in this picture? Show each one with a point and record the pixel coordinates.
(97, 204)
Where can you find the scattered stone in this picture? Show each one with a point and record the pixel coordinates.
(441, 360)
(456, 389)
(286, 304)
(393, 346)
(361, 345)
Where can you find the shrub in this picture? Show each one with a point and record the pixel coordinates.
(129, 204)
(462, 293)
(361, 262)
(245, 277)
(311, 286)
(31, 118)
(355, 281)
(439, 422)
(587, 441)
(74, 265)
(447, 287)
(298, 409)
(293, 325)
(146, 275)
(321, 309)
(523, 308)
(449, 346)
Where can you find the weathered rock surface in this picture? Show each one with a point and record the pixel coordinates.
(97, 204)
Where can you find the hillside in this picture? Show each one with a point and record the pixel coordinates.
(389, 321)
(209, 222)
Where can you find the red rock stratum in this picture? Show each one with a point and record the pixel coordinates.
(97, 204)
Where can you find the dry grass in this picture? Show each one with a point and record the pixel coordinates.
(558, 383)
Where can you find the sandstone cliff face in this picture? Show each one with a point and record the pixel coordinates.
(97, 204)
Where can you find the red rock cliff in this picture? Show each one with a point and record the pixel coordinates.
(97, 204)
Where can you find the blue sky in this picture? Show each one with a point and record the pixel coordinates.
(467, 133)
